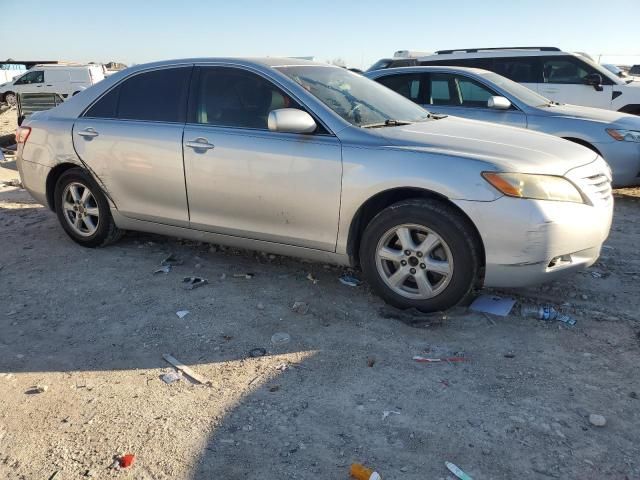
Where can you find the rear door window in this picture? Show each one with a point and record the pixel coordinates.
(442, 90)
(159, 95)
(518, 69)
(408, 85)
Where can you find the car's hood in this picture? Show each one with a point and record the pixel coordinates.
(593, 114)
(508, 148)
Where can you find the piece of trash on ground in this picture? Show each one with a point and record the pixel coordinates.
(386, 413)
(37, 389)
(421, 359)
(300, 307)
(182, 313)
(164, 269)
(186, 370)
(371, 361)
(312, 279)
(457, 471)
(243, 275)
(280, 338)
(125, 461)
(189, 283)
(493, 305)
(171, 260)
(257, 352)
(545, 312)
(349, 280)
(360, 472)
(171, 377)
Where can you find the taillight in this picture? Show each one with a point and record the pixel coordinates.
(22, 134)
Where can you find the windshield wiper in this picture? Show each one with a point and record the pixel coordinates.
(389, 122)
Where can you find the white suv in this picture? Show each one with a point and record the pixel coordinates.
(560, 76)
(65, 80)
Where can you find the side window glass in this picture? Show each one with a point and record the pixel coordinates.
(105, 107)
(406, 85)
(473, 94)
(159, 95)
(563, 71)
(31, 77)
(518, 69)
(229, 97)
(443, 90)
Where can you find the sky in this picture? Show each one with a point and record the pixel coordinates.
(357, 32)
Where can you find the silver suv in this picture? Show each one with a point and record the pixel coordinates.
(298, 158)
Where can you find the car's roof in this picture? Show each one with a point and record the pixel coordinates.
(257, 61)
(495, 53)
(426, 68)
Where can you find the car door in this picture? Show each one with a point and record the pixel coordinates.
(56, 80)
(131, 138)
(563, 81)
(245, 180)
(30, 82)
(462, 96)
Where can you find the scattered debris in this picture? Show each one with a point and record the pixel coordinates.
(164, 269)
(597, 420)
(274, 388)
(186, 370)
(457, 471)
(54, 475)
(633, 395)
(260, 306)
(37, 389)
(300, 307)
(509, 355)
(171, 260)
(415, 318)
(386, 413)
(171, 377)
(125, 461)
(223, 276)
(349, 280)
(545, 312)
(182, 313)
(595, 274)
(189, 283)
(371, 361)
(280, 338)
(282, 367)
(244, 275)
(360, 472)
(257, 352)
(493, 305)
(421, 359)
(312, 279)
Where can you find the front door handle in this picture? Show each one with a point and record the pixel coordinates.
(199, 143)
(88, 133)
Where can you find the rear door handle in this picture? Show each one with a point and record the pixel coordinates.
(199, 143)
(88, 133)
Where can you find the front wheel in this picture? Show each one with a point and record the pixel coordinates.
(421, 254)
(83, 210)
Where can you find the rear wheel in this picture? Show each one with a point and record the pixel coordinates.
(11, 99)
(83, 210)
(420, 254)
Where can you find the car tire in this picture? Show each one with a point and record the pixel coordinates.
(10, 99)
(420, 254)
(83, 210)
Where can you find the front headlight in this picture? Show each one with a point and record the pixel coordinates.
(539, 187)
(624, 135)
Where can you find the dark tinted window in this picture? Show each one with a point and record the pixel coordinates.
(229, 97)
(408, 85)
(30, 77)
(106, 107)
(484, 63)
(635, 70)
(404, 63)
(518, 69)
(160, 95)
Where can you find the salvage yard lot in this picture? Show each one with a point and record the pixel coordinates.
(92, 326)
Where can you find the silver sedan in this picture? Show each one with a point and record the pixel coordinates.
(304, 159)
(482, 95)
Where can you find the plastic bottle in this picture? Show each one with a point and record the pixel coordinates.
(545, 312)
(360, 472)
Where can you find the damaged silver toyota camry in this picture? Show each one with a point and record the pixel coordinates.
(310, 160)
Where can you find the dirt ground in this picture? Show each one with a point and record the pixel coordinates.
(92, 326)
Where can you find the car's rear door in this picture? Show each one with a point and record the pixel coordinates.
(247, 181)
(131, 138)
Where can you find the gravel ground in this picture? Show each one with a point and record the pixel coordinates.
(92, 325)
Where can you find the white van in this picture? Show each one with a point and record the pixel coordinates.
(65, 80)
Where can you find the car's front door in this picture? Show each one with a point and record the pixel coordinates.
(30, 82)
(245, 180)
(131, 138)
(563, 80)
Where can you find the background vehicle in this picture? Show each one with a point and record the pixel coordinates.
(482, 95)
(10, 70)
(65, 80)
(560, 76)
(305, 159)
(615, 70)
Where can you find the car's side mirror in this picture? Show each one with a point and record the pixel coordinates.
(291, 120)
(498, 103)
(595, 80)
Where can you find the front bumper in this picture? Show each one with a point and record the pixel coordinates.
(534, 241)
